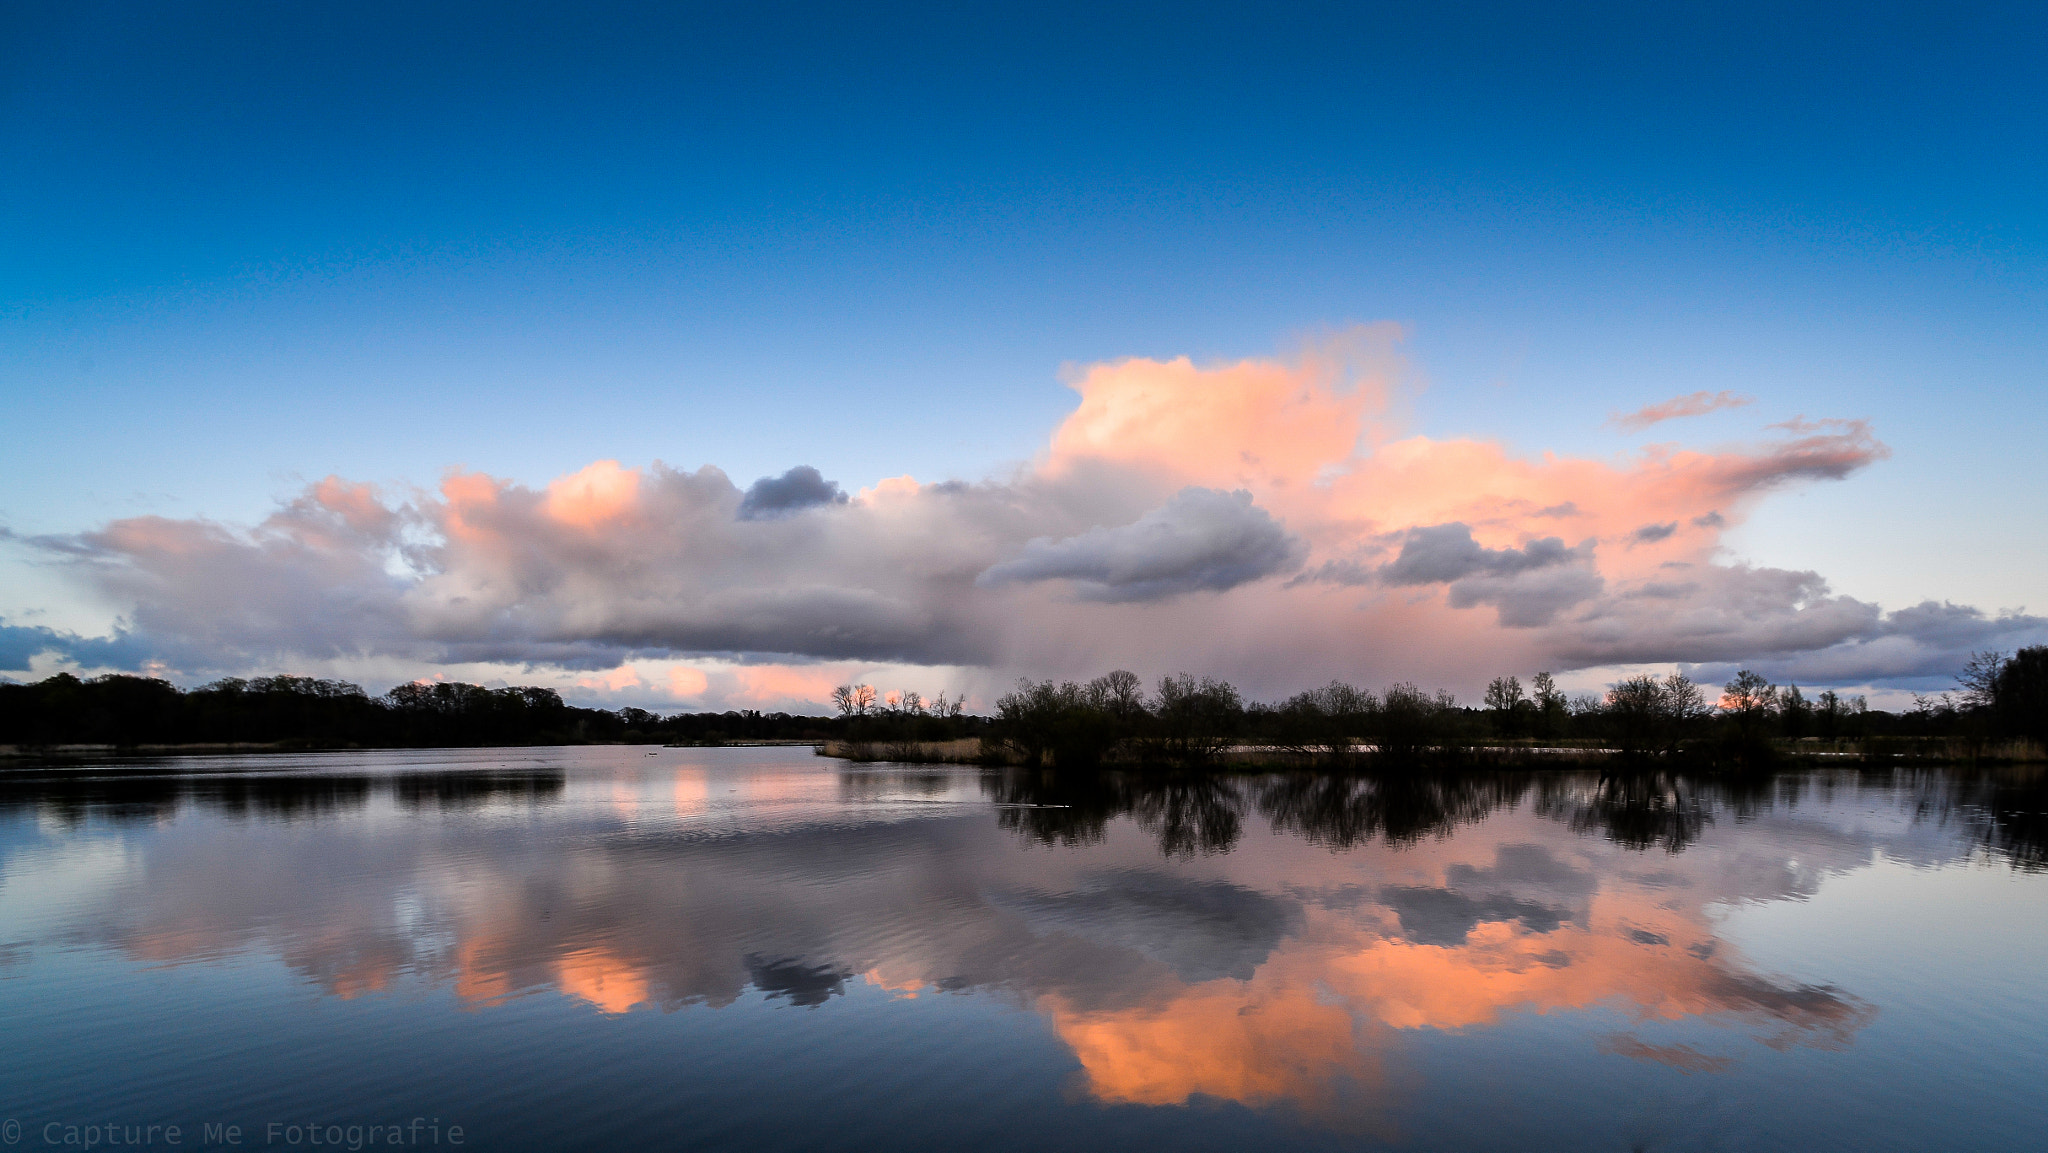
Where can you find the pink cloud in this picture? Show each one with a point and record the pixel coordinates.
(1693, 404)
(1267, 520)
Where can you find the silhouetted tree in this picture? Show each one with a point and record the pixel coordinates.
(1504, 701)
(1118, 693)
(2020, 693)
(1410, 722)
(1054, 723)
(1552, 712)
(1323, 724)
(1979, 680)
(1828, 713)
(1748, 702)
(1193, 720)
(1794, 713)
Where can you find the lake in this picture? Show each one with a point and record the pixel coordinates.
(618, 948)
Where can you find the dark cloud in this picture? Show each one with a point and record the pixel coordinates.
(806, 985)
(1350, 573)
(1441, 553)
(1525, 866)
(1528, 600)
(1787, 624)
(1431, 916)
(800, 488)
(1200, 540)
(1528, 586)
(1652, 533)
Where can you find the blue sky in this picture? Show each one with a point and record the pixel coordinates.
(250, 245)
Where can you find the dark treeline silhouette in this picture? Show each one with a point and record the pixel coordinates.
(1189, 723)
(131, 711)
(1184, 721)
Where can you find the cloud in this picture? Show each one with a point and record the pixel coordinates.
(1527, 600)
(1528, 585)
(1446, 552)
(800, 488)
(1145, 536)
(1433, 916)
(1786, 623)
(1693, 404)
(1199, 541)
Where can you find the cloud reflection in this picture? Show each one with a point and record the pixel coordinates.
(1269, 942)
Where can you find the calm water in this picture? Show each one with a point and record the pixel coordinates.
(759, 949)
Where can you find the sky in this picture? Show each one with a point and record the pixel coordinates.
(1280, 342)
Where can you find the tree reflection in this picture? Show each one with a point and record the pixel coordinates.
(1188, 813)
(1639, 810)
(2015, 808)
(1341, 811)
(1051, 808)
(470, 790)
(1191, 815)
(155, 792)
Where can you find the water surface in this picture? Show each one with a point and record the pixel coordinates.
(760, 949)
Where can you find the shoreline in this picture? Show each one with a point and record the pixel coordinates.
(1877, 752)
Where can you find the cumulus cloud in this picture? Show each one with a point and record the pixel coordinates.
(800, 488)
(1528, 586)
(1202, 540)
(1144, 536)
(1693, 404)
(1446, 552)
(1788, 623)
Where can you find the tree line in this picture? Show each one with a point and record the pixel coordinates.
(309, 712)
(1189, 721)
(1182, 720)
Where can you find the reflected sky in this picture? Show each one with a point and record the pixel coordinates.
(1324, 958)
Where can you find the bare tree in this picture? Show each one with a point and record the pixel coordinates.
(1118, 693)
(1551, 707)
(842, 699)
(1979, 679)
(1635, 708)
(1749, 696)
(1683, 700)
(1685, 707)
(1503, 694)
